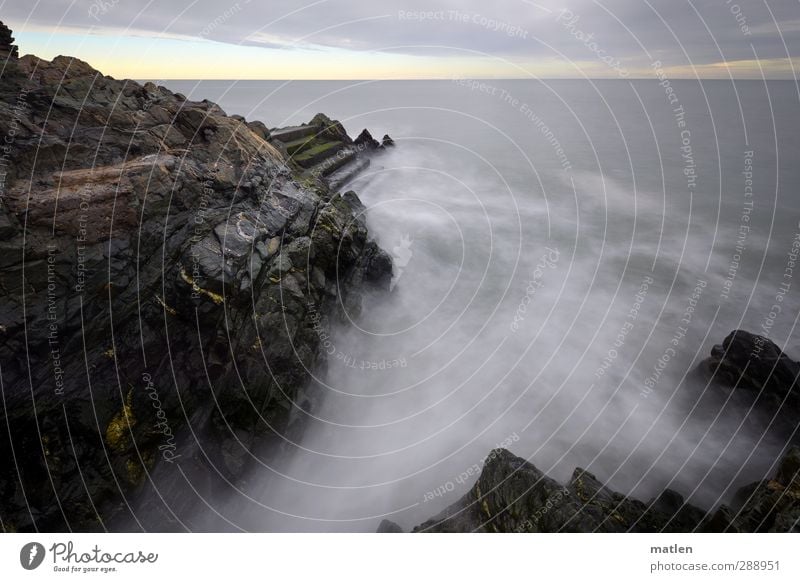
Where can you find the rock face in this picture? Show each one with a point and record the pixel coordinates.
(513, 496)
(164, 269)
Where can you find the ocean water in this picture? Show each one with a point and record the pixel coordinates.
(566, 253)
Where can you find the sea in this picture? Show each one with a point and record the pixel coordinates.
(566, 253)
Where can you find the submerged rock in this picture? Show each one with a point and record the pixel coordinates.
(746, 361)
(764, 381)
(179, 273)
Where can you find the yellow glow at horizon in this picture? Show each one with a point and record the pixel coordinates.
(139, 56)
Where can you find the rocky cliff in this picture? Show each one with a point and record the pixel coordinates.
(165, 269)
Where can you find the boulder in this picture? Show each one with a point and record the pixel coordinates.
(746, 361)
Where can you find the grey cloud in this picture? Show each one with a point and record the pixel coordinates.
(700, 31)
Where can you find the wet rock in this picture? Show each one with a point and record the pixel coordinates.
(365, 140)
(170, 283)
(512, 495)
(767, 506)
(764, 380)
(746, 361)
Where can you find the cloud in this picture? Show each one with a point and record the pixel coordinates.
(680, 33)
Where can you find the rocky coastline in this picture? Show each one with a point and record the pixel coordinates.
(168, 269)
(165, 269)
(512, 496)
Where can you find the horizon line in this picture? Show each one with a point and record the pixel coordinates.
(399, 79)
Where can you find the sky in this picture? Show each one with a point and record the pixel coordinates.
(414, 39)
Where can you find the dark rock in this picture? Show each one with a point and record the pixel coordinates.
(327, 128)
(322, 150)
(684, 517)
(746, 361)
(767, 506)
(7, 46)
(211, 259)
(512, 495)
(388, 526)
(258, 128)
(366, 141)
(387, 141)
(764, 380)
(8, 224)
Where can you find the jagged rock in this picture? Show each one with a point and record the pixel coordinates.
(387, 141)
(170, 280)
(766, 506)
(366, 141)
(329, 128)
(322, 150)
(512, 495)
